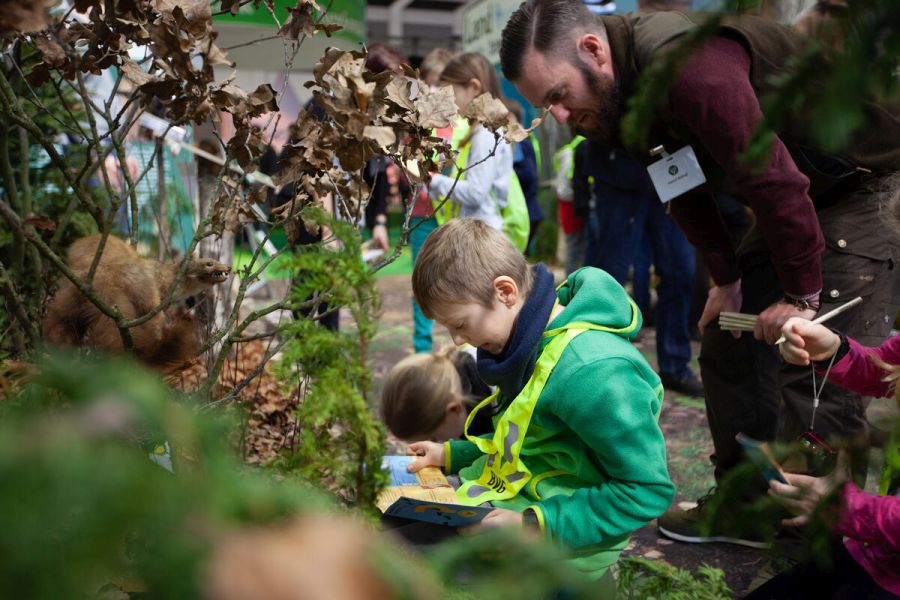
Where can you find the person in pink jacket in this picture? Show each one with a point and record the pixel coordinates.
(867, 564)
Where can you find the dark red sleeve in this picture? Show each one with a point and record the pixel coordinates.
(714, 98)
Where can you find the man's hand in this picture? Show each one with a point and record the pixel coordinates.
(805, 493)
(804, 341)
(721, 298)
(499, 517)
(770, 321)
(431, 454)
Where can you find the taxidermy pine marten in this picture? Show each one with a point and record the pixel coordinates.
(135, 285)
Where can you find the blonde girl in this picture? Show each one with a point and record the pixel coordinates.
(428, 396)
(484, 187)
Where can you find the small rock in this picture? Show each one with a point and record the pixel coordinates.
(653, 555)
(687, 505)
(664, 541)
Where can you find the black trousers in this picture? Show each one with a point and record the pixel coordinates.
(748, 387)
(844, 579)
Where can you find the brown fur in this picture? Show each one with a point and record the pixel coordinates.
(135, 285)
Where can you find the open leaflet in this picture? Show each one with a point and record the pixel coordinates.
(424, 496)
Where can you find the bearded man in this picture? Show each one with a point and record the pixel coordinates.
(818, 240)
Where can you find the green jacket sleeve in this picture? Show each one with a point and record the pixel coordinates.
(614, 410)
(459, 454)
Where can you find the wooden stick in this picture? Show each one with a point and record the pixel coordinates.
(829, 314)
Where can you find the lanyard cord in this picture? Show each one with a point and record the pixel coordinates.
(817, 391)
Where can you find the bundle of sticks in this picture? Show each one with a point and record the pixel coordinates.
(735, 321)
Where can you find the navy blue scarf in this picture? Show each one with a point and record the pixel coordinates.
(511, 369)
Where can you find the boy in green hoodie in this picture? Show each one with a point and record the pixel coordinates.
(577, 452)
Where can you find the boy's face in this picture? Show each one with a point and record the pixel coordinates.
(487, 328)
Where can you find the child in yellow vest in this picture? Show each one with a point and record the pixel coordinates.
(487, 184)
(577, 451)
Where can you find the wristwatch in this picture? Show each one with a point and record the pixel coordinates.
(811, 303)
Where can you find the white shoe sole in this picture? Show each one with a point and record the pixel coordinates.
(695, 539)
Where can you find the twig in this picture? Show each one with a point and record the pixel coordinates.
(17, 307)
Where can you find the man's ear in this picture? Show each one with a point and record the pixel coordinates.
(507, 290)
(592, 49)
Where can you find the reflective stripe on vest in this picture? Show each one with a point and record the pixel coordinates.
(505, 474)
(536, 146)
(570, 147)
(444, 211)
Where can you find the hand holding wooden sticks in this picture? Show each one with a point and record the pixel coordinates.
(732, 321)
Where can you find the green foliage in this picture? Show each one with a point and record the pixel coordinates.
(501, 563)
(339, 442)
(33, 187)
(835, 79)
(644, 579)
(81, 504)
(830, 84)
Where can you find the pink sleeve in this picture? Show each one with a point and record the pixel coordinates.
(857, 371)
(869, 518)
(713, 97)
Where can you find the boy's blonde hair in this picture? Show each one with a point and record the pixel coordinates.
(417, 391)
(459, 262)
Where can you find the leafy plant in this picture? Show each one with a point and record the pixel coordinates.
(658, 580)
(340, 441)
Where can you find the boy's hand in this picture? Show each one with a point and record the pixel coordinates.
(431, 454)
(804, 341)
(499, 517)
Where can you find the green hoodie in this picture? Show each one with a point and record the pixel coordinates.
(594, 448)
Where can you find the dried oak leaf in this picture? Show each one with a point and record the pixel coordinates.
(384, 137)
(52, 53)
(262, 100)
(23, 16)
(397, 92)
(134, 73)
(246, 146)
(232, 6)
(328, 28)
(217, 56)
(436, 109)
(516, 133)
(488, 110)
(258, 195)
(301, 20)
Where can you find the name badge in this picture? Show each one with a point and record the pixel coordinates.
(675, 174)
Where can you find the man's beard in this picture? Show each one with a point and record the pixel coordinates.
(605, 126)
